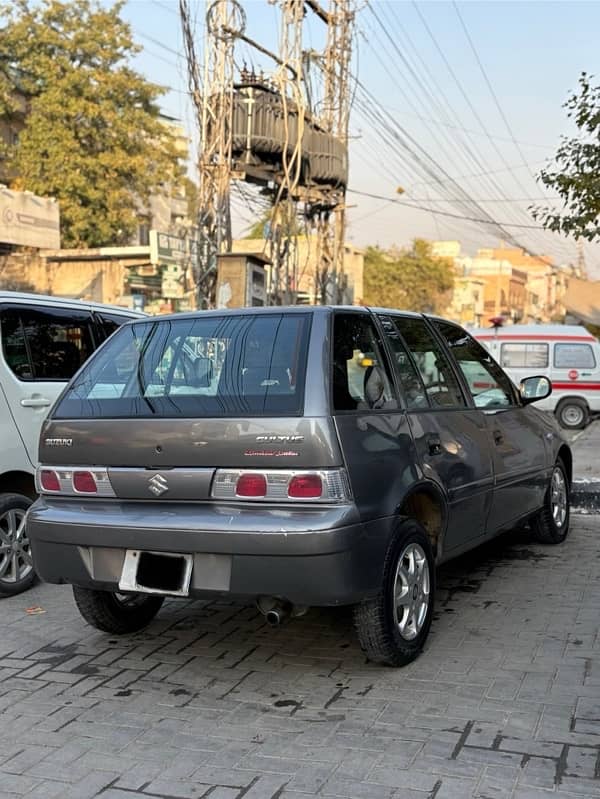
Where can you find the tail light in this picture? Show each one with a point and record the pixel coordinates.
(84, 483)
(282, 485)
(251, 485)
(305, 486)
(70, 482)
(49, 480)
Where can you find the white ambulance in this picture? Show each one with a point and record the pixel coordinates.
(567, 354)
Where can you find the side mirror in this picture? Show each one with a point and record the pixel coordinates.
(533, 389)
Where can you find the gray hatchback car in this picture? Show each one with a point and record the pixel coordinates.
(294, 457)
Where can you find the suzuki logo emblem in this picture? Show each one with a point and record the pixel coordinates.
(158, 485)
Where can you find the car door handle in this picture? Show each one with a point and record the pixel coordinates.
(434, 444)
(35, 402)
(498, 437)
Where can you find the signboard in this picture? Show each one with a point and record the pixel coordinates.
(167, 249)
(173, 282)
(29, 221)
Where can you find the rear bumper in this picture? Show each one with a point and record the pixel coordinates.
(323, 556)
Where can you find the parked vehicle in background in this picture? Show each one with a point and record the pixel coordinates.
(568, 355)
(44, 341)
(294, 457)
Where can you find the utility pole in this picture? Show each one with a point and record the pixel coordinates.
(331, 225)
(264, 131)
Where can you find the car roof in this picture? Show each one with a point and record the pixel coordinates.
(22, 297)
(534, 331)
(277, 309)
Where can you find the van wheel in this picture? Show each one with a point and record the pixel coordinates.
(16, 565)
(393, 626)
(572, 414)
(116, 613)
(551, 524)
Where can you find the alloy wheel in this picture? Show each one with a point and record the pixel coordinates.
(558, 497)
(412, 586)
(16, 562)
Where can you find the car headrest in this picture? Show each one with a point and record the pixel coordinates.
(374, 385)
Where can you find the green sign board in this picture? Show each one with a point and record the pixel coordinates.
(165, 249)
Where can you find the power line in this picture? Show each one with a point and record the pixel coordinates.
(488, 82)
(160, 44)
(476, 158)
(443, 213)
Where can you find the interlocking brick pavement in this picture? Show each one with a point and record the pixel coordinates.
(211, 702)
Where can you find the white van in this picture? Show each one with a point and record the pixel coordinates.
(43, 342)
(567, 354)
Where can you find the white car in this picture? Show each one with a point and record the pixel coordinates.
(568, 355)
(43, 342)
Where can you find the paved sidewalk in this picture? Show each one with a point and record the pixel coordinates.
(586, 466)
(210, 702)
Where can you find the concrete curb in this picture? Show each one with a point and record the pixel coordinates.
(585, 495)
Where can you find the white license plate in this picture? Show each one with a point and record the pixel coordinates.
(166, 573)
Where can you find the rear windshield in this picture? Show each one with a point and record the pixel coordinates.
(204, 366)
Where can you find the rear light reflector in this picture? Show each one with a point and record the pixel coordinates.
(49, 480)
(251, 485)
(84, 483)
(72, 481)
(305, 486)
(282, 485)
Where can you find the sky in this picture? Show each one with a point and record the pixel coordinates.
(473, 89)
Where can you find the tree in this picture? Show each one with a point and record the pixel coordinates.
(412, 279)
(576, 172)
(285, 222)
(92, 137)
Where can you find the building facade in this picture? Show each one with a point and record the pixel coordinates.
(515, 285)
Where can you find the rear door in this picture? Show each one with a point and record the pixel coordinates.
(576, 370)
(450, 435)
(42, 347)
(373, 429)
(515, 435)
(227, 391)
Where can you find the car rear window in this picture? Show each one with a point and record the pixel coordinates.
(238, 365)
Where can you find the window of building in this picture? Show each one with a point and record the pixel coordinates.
(144, 234)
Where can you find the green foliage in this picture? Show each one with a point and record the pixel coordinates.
(412, 279)
(286, 224)
(93, 137)
(576, 172)
(191, 195)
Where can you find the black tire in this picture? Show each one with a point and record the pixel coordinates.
(117, 614)
(375, 619)
(17, 573)
(547, 526)
(573, 414)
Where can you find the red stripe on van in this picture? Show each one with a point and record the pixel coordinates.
(532, 337)
(576, 384)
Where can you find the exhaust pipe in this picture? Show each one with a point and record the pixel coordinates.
(274, 610)
(276, 616)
